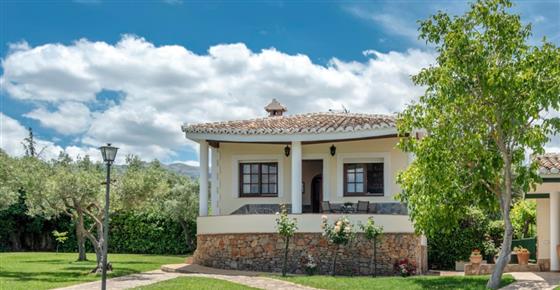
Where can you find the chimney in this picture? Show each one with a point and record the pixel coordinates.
(275, 108)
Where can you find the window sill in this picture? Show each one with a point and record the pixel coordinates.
(257, 195)
(363, 194)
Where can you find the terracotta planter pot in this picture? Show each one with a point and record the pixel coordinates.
(476, 259)
(523, 258)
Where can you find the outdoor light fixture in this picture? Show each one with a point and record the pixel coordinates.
(109, 153)
(287, 150)
(333, 150)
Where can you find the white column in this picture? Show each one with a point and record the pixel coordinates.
(203, 180)
(214, 181)
(296, 177)
(554, 229)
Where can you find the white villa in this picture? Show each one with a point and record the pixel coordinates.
(328, 163)
(547, 195)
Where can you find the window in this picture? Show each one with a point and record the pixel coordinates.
(258, 179)
(363, 179)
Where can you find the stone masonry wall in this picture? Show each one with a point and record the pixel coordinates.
(263, 252)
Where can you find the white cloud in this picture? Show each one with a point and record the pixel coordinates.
(392, 23)
(164, 86)
(70, 118)
(12, 134)
(189, 162)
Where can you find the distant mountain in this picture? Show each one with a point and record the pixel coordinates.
(183, 169)
(179, 168)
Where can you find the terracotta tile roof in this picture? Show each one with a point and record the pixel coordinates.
(297, 124)
(549, 163)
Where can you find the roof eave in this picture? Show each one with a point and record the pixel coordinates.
(308, 137)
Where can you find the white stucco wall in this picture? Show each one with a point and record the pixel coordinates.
(543, 228)
(307, 223)
(543, 218)
(230, 154)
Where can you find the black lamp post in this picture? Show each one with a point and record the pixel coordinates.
(108, 152)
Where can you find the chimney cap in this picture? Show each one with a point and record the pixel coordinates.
(275, 108)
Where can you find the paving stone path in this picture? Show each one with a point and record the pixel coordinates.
(127, 282)
(533, 280)
(146, 278)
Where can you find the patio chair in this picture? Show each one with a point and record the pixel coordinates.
(326, 206)
(363, 206)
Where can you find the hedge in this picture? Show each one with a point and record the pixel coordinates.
(130, 232)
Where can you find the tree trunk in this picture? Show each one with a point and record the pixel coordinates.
(374, 257)
(334, 260)
(98, 244)
(80, 236)
(185, 227)
(285, 264)
(525, 231)
(505, 206)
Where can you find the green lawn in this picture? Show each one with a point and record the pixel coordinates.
(39, 270)
(195, 283)
(397, 283)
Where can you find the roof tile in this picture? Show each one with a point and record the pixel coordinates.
(549, 163)
(293, 124)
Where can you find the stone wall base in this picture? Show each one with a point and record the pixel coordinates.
(486, 269)
(264, 252)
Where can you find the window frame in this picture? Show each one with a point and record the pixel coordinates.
(259, 182)
(364, 166)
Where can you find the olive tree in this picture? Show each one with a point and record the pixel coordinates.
(8, 185)
(484, 109)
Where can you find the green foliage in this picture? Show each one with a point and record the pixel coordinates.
(60, 237)
(371, 230)
(148, 233)
(195, 283)
(8, 192)
(396, 283)
(285, 226)
(524, 218)
(484, 109)
(473, 231)
(39, 270)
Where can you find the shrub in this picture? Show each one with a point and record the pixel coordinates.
(405, 268)
(476, 231)
(339, 233)
(286, 228)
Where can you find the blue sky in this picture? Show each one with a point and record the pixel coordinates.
(82, 73)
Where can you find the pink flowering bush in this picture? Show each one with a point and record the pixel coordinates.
(405, 268)
(341, 232)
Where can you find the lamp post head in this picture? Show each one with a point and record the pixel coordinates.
(108, 153)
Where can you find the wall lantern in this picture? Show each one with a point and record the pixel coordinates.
(287, 151)
(333, 150)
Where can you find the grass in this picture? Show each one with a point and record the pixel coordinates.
(40, 270)
(198, 283)
(388, 283)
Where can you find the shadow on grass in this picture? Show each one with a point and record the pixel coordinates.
(65, 274)
(456, 282)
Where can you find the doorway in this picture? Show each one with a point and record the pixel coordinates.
(316, 193)
(312, 178)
